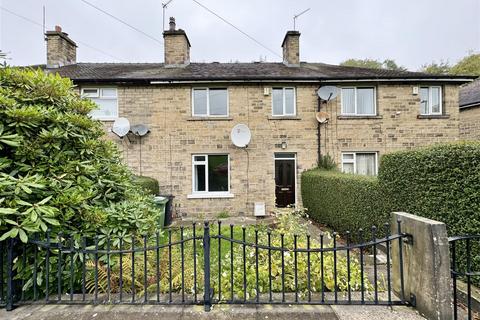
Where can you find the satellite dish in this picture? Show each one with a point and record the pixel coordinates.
(322, 117)
(140, 129)
(327, 93)
(240, 135)
(121, 127)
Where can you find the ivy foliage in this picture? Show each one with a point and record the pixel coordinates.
(345, 202)
(56, 170)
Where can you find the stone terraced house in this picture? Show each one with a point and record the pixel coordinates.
(470, 111)
(191, 108)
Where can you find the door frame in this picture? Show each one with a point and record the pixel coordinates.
(296, 173)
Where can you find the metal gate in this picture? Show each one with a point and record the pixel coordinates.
(205, 265)
(465, 270)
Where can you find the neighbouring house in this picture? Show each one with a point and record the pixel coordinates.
(191, 108)
(470, 111)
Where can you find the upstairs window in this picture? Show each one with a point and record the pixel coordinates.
(210, 102)
(358, 101)
(430, 100)
(364, 163)
(283, 101)
(210, 173)
(106, 100)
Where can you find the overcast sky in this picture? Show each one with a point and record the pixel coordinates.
(412, 32)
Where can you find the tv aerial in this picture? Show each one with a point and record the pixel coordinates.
(240, 135)
(121, 127)
(298, 15)
(327, 93)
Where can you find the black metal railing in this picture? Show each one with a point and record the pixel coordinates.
(228, 265)
(465, 259)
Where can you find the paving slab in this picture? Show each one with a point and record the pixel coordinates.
(376, 313)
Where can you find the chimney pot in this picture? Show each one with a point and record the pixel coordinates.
(172, 24)
(58, 29)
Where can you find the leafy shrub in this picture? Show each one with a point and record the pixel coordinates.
(56, 171)
(441, 182)
(326, 162)
(345, 202)
(149, 184)
(284, 227)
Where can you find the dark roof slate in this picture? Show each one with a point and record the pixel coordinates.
(470, 94)
(146, 72)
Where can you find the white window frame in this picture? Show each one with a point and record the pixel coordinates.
(354, 160)
(430, 112)
(343, 113)
(208, 194)
(284, 114)
(100, 96)
(208, 103)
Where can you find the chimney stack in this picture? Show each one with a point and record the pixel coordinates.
(177, 47)
(291, 49)
(61, 50)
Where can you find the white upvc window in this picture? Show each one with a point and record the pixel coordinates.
(210, 176)
(283, 101)
(359, 101)
(106, 100)
(431, 100)
(210, 102)
(364, 163)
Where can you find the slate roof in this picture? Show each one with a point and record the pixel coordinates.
(255, 71)
(470, 94)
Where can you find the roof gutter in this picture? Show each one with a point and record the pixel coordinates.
(399, 79)
(463, 80)
(470, 105)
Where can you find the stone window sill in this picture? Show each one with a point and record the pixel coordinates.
(210, 195)
(432, 116)
(210, 119)
(358, 117)
(284, 118)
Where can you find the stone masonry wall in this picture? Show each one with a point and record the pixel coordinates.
(166, 152)
(470, 123)
(60, 52)
(177, 51)
(397, 125)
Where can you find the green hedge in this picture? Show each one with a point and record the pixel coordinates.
(441, 182)
(150, 184)
(344, 201)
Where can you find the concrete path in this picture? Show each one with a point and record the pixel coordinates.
(222, 312)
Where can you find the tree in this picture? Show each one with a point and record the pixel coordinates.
(56, 171)
(388, 64)
(470, 65)
(442, 67)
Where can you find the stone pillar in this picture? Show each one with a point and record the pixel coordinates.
(426, 265)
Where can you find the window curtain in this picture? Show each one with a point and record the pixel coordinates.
(366, 164)
(424, 101)
(365, 103)
(348, 100)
